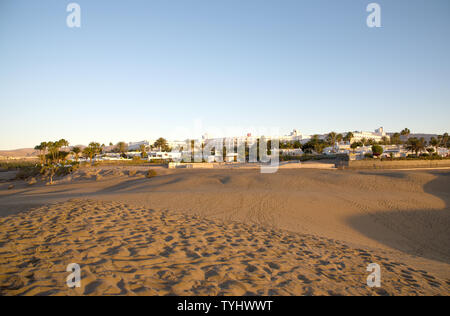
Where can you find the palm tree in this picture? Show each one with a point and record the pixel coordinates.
(96, 148)
(315, 144)
(63, 143)
(348, 137)
(54, 155)
(62, 156)
(162, 144)
(38, 147)
(406, 132)
(53, 149)
(416, 145)
(395, 139)
(92, 150)
(434, 142)
(331, 138)
(42, 147)
(87, 153)
(122, 147)
(443, 140)
(76, 151)
(143, 151)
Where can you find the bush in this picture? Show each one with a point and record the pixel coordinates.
(433, 156)
(17, 165)
(28, 172)
(64, 171)
(308, 157)
(377, 150)
(151, 174)
(133, 162)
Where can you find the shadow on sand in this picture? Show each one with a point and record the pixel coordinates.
(422, 233)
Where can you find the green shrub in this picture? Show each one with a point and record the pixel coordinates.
(377, 150)
(17, 164)
(308, 157)
(28, 172)
(133, 162)
(64, 171)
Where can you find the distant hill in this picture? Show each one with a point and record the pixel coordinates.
(18, 153)
(426, 136)
(31, 153)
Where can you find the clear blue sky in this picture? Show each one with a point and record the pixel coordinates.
(139, 69)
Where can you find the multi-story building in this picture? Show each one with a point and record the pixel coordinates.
(378, 135)
(137, 145)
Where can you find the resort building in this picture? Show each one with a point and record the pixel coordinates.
(443, 152)
(160, 155)
(294, 136)
(177, 143)
(137, 145)
(378, 135)
(338, 148)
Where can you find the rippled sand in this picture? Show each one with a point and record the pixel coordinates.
(129, 250)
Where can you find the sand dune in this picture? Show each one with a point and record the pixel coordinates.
(132, 250)
(228, 232)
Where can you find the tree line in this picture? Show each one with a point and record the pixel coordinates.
(318, 144)
(58, 152)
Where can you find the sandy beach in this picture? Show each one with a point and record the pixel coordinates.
(227, 232)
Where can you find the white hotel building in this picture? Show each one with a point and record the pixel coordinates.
(377, 135)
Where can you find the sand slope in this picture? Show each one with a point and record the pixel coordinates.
(334, 223)
(136, 251)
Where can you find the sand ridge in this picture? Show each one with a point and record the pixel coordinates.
(400, 218)
(132, 250)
